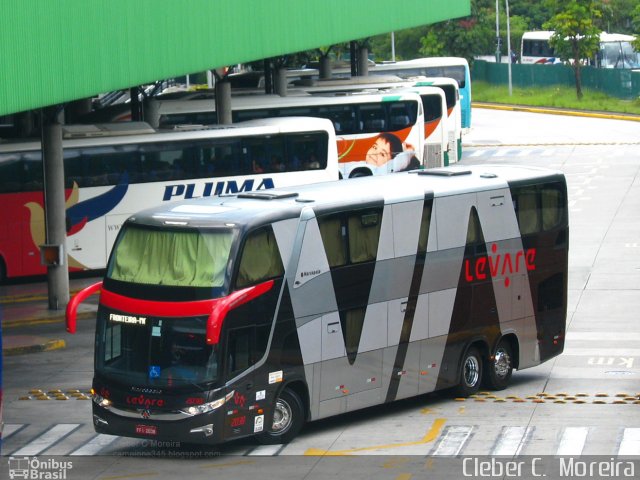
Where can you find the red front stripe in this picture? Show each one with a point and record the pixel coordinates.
(156, 308)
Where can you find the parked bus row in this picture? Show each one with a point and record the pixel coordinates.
(456, 68)
(274, 308)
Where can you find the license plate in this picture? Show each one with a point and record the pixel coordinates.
(146, 430)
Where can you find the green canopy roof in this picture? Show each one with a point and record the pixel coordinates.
(57, 51)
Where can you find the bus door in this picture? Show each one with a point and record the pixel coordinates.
(239, 355)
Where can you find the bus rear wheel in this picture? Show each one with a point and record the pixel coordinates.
(287, 421)
(470, 373)
(499, 367)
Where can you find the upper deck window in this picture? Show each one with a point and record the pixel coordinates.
(189, 258)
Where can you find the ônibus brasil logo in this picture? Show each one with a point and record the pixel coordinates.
(34, 468)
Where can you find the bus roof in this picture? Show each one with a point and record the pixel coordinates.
(424, 61)
(251, 102)
(261, 207)
(538, 35)
(265, 126)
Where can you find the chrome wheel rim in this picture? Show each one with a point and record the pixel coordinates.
(282, 417)
(501, 363)
(471, 371)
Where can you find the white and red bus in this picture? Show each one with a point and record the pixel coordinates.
(110, 177)
(377, 133)
(273, 308)
(440, 100)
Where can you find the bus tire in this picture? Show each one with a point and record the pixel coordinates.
(470, 375)
(287, 419)
(499, 367)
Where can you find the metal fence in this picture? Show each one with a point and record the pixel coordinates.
(621, 83)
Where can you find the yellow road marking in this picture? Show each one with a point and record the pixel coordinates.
(228, 464)
(133, 475)
(430, 436)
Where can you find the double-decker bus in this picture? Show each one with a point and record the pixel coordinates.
(108, 178)
(273, 308)
(376, 133)
(450, 67)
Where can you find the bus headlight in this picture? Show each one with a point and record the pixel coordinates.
(208, 407)
(101, 401)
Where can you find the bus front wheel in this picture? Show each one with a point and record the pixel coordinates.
(287, 420)
(470, 373)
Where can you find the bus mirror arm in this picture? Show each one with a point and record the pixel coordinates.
(225, 305)
(72, 307)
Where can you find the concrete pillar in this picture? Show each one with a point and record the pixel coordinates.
(281, 82)
(325, 68)
(363, 61)
(54, 208)
(223, 102)
(151, 112)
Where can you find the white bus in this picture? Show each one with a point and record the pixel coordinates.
(376, 133)
(109, 178)
(615, 50)
(308, 302)
(535, 48)
(450, 67)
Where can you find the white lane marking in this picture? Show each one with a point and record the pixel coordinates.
(10, 429)
(572, 441)
(630, 444)
(97, 443)
(511, 441)
(453, 440)
(47, 439)
(266, 450)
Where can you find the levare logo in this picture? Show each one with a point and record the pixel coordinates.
(499, 264)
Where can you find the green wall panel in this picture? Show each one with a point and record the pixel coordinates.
(53, 51)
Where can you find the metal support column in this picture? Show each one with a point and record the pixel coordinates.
(136, 104)
(54, 208)
(223, 102)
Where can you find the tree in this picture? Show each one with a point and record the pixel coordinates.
(635, 21)
(464, 37)
(576, 36)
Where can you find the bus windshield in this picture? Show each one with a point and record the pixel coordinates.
(190, 258)
(160, 352)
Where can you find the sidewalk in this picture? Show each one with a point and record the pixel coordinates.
(27, 304)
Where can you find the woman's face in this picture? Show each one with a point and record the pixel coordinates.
(379, 153)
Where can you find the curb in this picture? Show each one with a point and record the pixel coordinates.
(46, 346)
(43, 321)
(552, 111)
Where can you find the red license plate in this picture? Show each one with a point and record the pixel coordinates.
(146, 430)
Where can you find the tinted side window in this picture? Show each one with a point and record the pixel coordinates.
(351, 237)
(260, 259)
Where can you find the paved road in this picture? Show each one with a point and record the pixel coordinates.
(585, 402)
